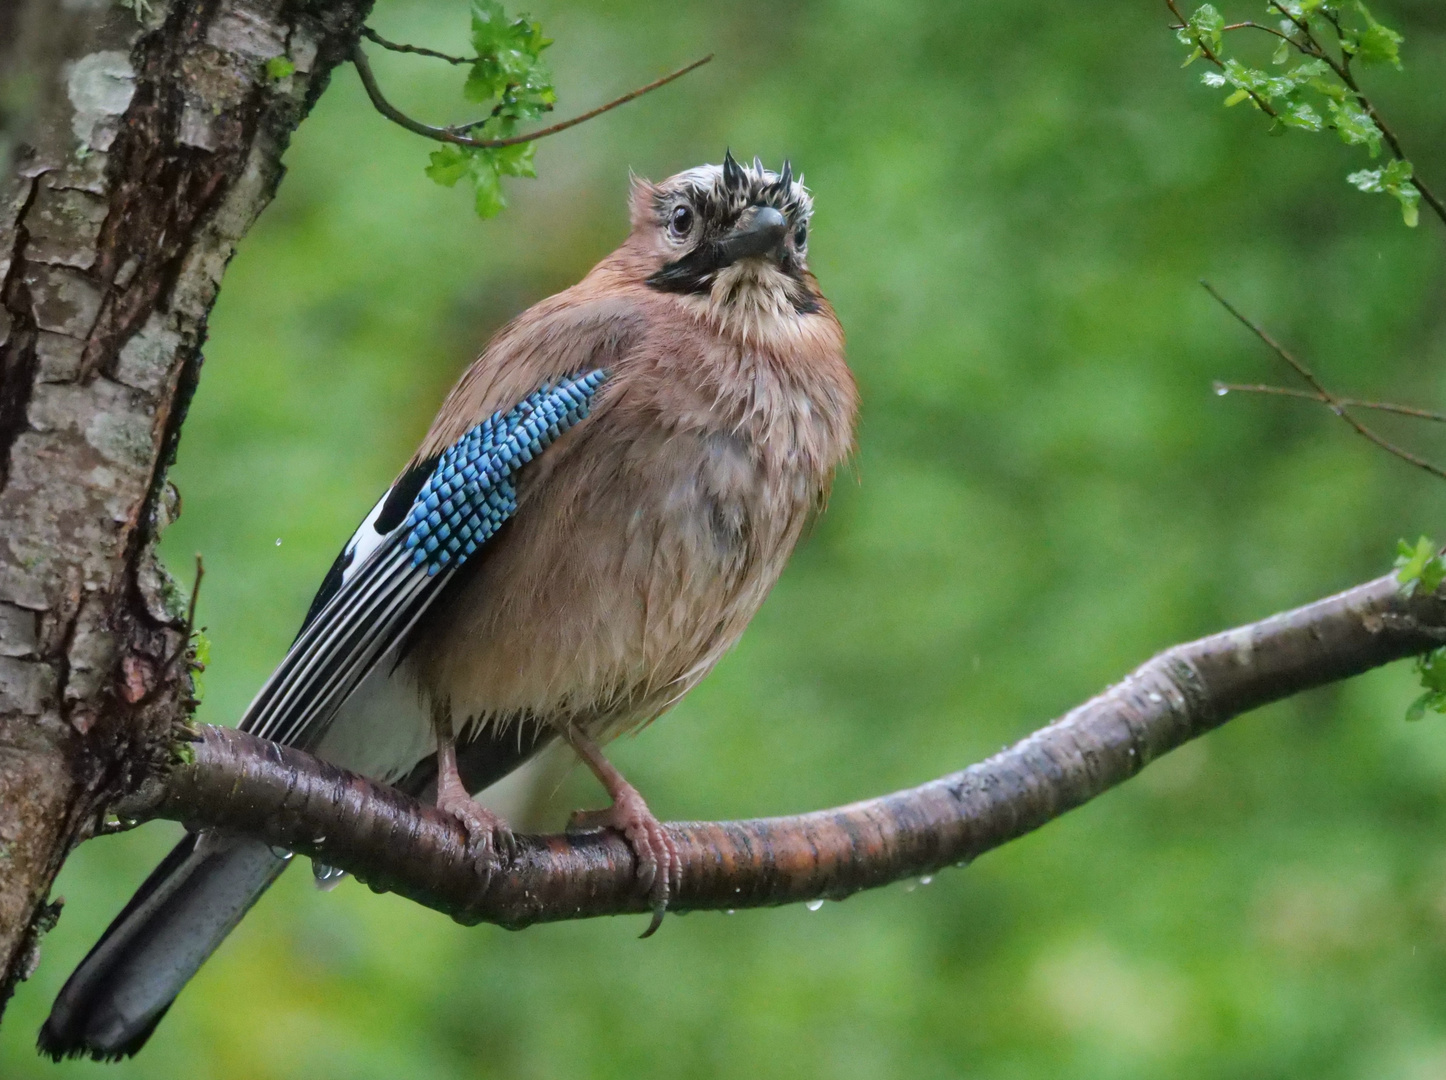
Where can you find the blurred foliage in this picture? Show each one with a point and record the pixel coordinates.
(1014, 207)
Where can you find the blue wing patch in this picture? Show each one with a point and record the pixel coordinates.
(384, 582)
(471, 492)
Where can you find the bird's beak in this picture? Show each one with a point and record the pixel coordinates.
(759, 232)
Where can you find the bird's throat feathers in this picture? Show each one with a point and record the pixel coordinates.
(756, 304)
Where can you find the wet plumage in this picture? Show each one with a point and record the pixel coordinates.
(600, 507)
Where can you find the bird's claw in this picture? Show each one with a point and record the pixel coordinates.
(488, 834)
(660, 868)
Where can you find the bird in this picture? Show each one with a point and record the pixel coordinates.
(601, 505)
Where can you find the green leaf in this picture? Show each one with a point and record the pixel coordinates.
(1394, 180)
(1281, 54)
(1236, 98)
(448, 165)
(489, 199)
(1354, 126)
(279, 67)
(1431, 670)
(1410, 200)
(484, 167)
(1377, 43)
(1421, 566)
(1207, 25)
(1301, 116)
(200, 658)
(508, 55)
(515, 160)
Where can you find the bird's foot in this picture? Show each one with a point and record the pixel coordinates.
(660, 869)
(488, 834)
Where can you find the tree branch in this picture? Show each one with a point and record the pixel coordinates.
(396, 844)
(454, 134)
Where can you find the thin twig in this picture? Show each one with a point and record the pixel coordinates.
(372, 35)
(1310, 395)
(452, 135)
(1248, 25)
(1335, 404)
(394, 843)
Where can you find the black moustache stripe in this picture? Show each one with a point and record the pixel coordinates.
(693, 274)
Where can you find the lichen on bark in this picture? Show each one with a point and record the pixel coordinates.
(142, 142)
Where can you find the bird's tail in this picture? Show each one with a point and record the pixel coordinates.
(191, 901)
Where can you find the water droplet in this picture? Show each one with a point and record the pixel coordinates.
(730, 911)
(927, 879)
(278, 541)
(911, 886)
(1221, 391)
(814, 905)
(282, 853)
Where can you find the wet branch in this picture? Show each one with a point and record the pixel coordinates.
(396, 844)
(458, 134)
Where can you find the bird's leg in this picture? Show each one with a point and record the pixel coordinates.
(485, 830)
(660, 870)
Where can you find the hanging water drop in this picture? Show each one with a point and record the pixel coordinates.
(278, 541)
(281, 853)
(1221, 389)
(927, 879)
(814, 905)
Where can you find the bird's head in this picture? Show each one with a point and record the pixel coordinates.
(731, 241)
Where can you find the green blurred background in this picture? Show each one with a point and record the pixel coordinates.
(1015, 202)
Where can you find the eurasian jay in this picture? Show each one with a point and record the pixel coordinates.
(598, 510)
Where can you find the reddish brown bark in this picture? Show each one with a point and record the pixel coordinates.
(398, 845)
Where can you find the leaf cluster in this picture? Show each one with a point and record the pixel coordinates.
(1422, 567)
(1318, 92)
(508, 71)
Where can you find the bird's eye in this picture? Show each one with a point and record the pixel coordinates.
(681, 221)
(800, 234)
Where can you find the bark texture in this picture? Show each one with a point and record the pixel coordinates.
(144, 137)
(395, 844)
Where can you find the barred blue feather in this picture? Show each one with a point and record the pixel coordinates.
(384, 581)
(471, 492)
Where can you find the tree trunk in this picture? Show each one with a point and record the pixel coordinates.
(144, 137)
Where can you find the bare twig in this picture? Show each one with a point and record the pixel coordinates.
(396, 844)
(1335, 404)
(455, 134)
(393, 46)
(1223, 388)
(1248, 25)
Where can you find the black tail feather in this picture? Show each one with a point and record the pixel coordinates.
(178, 917)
